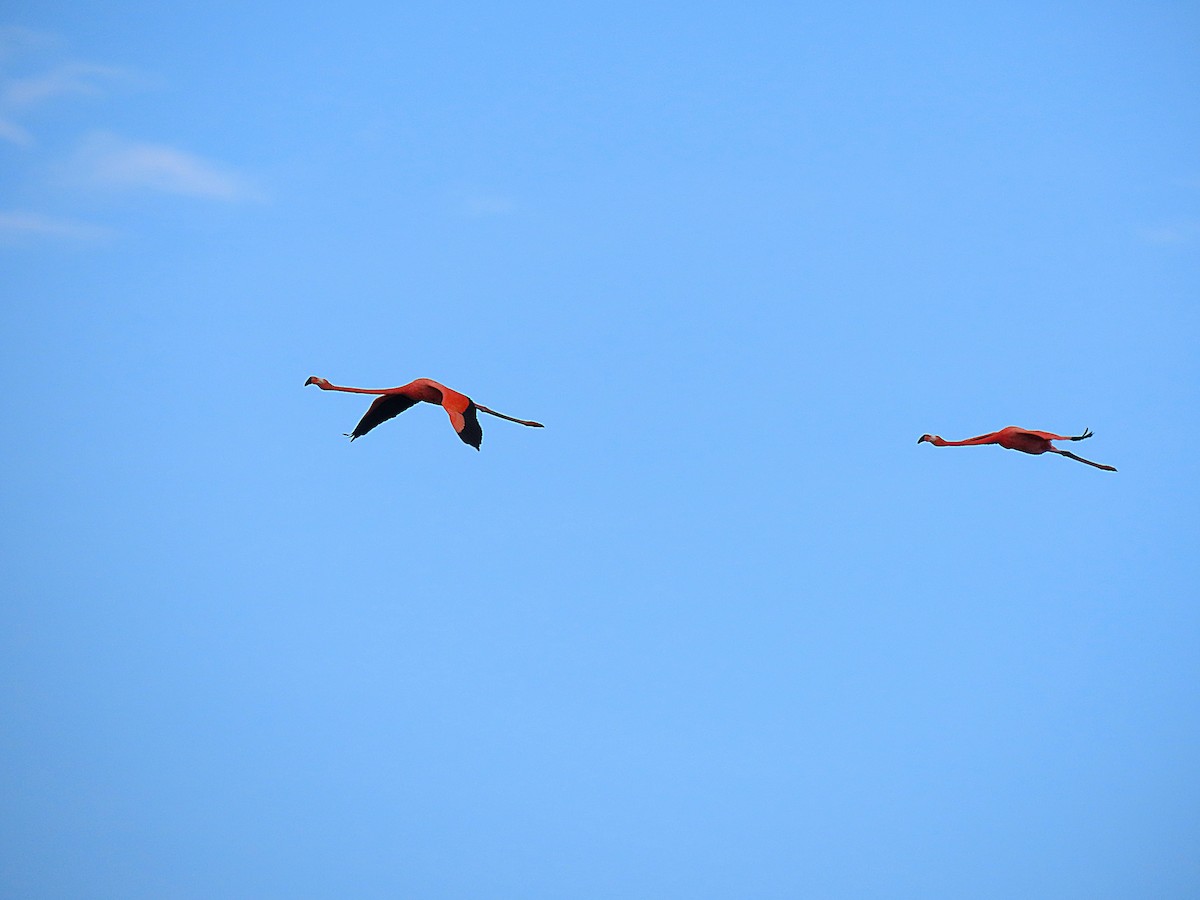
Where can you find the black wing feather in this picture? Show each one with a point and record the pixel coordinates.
(471, 433)
(386, 406)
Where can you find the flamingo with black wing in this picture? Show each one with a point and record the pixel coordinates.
(393, 401)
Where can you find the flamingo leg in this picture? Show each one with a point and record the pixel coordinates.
(1071, 455)
(492, 412)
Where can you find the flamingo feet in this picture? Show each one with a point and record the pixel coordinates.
(1087, 433)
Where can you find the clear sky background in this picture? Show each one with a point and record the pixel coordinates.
(721, 629)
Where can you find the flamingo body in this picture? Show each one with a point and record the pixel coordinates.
(1014, 438)
(390, 402)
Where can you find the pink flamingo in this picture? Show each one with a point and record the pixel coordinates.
(393, 401)
(1013, 438)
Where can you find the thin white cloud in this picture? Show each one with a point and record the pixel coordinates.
(105, 160)
(1176, 229)
(39, 79)
(475, 204)
(17, 224)
(13, 133)
(1174, 232)
(32, 73)
(76, 78)
(16, 39)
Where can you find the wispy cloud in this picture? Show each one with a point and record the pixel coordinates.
(17, 224)
(1183, 228)
(477, 204)
(105, 160)
(13, 133)
(81, 79)
(16, 39)
(1180, 231)
(42, 79)
(41, 83)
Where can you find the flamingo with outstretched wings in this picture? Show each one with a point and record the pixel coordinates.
(1014, 438)
(393, 401)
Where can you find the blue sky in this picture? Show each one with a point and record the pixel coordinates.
(721, 629)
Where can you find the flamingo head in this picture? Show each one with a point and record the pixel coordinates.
(927, 437)
(313, 379)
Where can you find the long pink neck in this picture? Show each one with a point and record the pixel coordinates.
(982, 439)
(326, 386)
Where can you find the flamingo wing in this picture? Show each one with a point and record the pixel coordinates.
(1049, 436)
(467, 426)
(464, 416)
(386, 406)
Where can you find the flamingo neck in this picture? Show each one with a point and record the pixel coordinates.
(326, 386)
(969, 442)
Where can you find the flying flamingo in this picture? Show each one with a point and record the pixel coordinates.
(393, 401)
(1014, 438)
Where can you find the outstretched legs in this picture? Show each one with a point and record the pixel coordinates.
(492, 412)
(1071, 455)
